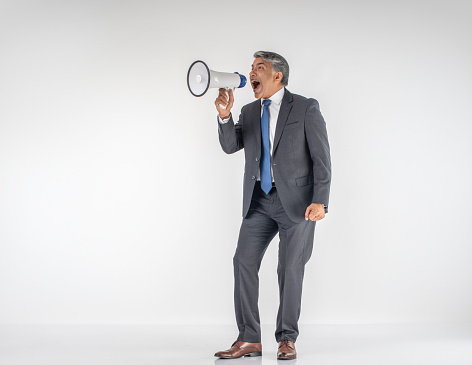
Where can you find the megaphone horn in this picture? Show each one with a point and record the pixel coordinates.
(200, 78)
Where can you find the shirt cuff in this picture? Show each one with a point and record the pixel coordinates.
(223, 121)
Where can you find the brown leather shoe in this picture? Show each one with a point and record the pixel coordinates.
(239, 348)
(286, 350)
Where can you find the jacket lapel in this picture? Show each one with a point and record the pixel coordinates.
(285, 108)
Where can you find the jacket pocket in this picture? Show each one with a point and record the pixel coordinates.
(305, 180)
(292, 125)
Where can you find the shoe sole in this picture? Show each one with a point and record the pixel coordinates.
(251, 354)
(286, 358)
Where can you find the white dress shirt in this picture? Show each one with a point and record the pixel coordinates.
(274, 109)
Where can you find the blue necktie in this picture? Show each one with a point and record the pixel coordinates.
(266, 180)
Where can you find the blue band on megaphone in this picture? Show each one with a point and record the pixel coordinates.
(243, 80)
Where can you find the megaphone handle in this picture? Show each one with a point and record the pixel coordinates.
(227, 88)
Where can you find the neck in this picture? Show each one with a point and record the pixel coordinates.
(274, 92)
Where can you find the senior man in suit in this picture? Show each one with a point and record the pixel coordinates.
(286, 189)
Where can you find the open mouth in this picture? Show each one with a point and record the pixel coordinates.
(255, 85)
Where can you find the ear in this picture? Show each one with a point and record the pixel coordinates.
(278, 77)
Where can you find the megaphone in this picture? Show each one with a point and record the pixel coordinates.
(200, 78)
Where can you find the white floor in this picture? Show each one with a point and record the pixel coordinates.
(415, 344)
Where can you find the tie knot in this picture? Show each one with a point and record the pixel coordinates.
(266, 102)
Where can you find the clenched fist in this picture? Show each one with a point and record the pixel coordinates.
(224, 102)
(315, 212)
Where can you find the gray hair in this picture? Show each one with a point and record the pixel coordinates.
(278, 63)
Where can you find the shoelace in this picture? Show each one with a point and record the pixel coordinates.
(234, 343)
(286, 343)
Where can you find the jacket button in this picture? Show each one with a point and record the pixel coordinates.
(253, 177)
(274, 164)
(257, 158)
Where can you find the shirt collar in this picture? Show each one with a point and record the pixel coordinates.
(277, 97)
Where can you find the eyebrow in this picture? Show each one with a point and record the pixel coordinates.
(259, 63)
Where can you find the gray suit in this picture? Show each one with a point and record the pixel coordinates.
(302, 173)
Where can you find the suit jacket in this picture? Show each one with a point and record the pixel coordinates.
(300, 158)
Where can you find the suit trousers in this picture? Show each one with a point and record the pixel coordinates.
(266, 218)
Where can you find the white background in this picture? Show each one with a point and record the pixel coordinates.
(118, 206)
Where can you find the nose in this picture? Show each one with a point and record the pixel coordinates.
(252, 73)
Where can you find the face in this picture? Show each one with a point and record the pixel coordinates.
(264, 81)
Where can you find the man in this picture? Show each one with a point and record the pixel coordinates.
(286, 188)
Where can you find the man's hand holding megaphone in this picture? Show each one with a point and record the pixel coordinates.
(224, 102)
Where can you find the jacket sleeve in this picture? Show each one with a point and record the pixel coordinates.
(231, 135)
(317, 139)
